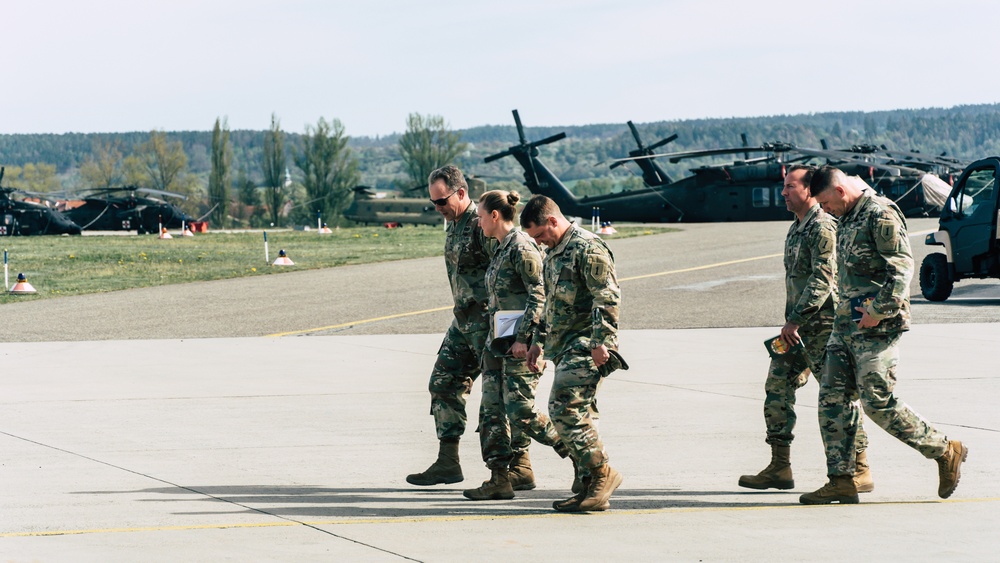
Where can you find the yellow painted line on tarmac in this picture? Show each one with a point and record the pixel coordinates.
(361, 322)
(435, 310)
(468, 518)
(705, 267)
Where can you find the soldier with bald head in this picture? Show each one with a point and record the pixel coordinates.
(874, 269)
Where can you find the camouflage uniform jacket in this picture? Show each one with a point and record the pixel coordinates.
(874, 259)
(467, 253)
(515, 283)
(581, 295)
(810, 270)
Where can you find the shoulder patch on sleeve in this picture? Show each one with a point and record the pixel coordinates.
(826, 245)
(532, 264)
(887, 235)
(598, 267)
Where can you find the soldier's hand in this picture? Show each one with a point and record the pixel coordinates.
(866, 320)
(534, 353)
(519, 350)
(790, 334)
(600, 355)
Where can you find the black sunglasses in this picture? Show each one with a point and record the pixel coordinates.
(444, 200)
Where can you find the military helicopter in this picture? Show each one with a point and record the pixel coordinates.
(900, 175)
(903, 176)
(124, 209)
(371, 207)
(20, 217)
(742, 191)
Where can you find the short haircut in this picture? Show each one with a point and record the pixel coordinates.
(825, 178)
(503, 202)
(537, 210)
(809, 172)
(452, 177)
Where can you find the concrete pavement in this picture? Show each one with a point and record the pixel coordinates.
(295, 448)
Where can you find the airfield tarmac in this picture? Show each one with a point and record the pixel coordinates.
(274, 418)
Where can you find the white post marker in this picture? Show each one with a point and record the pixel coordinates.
(6, 285)
(267, 259)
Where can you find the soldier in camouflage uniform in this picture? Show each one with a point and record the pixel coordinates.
(874, 268)
(580, 335)
(809, 284)
(467, 254)
(514, 282)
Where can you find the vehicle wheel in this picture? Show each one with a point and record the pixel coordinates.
(935, 279)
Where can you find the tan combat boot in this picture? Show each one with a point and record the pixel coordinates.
(572, 504)
(601, 483)
(863, 474)
(777, 475)
(445, 469)
(522, 478)
(950, 467)
(497, 488)
(840, 489)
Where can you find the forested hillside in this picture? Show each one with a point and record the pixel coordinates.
(967, 132)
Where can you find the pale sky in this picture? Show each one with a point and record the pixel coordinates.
(138, 65)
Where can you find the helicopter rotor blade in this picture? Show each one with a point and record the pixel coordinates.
(520, 128)
(547, 140)
(662, 142)
(497, 156)
(635, 134)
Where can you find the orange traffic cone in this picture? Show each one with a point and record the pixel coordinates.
(22, 286)
(283, 259)
(187, 232)
(164, 234)
(325, 230)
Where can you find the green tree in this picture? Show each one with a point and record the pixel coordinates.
(330, 170)
(32, 177)
(427, 145)
(273, 166)
(218, 180)
(163, 163)
(103, 167)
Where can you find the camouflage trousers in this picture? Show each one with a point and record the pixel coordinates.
(571, 406)
(456, 368)
(864, 366)
(786, 376)
(507, 415)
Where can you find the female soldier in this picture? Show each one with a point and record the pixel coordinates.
(514, 282)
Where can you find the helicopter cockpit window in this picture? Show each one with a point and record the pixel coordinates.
(762, 197)
(978, 189)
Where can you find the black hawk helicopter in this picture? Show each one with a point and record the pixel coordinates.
(20, 217)
(906, 177)
(126, 209)
(743, 191)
